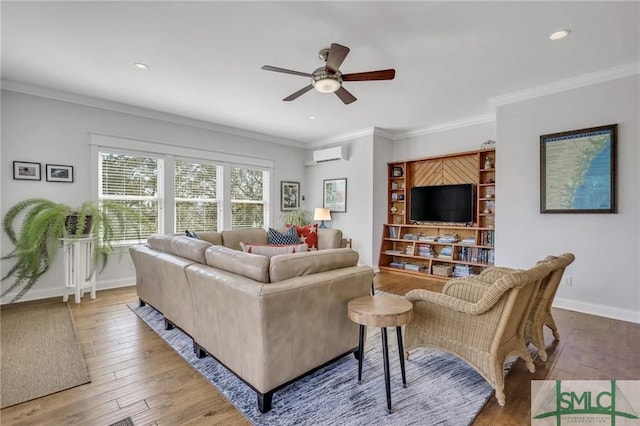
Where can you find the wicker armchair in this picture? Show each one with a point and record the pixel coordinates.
(541, 311)
(480, 323)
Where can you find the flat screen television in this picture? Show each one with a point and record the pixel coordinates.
(442, 203)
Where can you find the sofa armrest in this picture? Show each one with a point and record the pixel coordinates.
(470, 289)
(495, 272)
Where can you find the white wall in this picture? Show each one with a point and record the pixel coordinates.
(45, 130)
(382, 149)
(357, 222)
(606, 272)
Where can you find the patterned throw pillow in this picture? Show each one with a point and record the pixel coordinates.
(289, 237)
(191, 234)
(308, 234)
(270, 250)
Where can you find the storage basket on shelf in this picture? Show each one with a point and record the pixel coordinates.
(442, 270)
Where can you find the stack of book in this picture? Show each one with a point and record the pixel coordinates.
(464, 270)
(397, 265)
(409, 250)
(426, 250)
(446, 251)
(448, 238)
(412, 267)
(428, 238)
(469, 241)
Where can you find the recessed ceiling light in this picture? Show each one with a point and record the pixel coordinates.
(559, 35)
(141, 66)
(312, 117)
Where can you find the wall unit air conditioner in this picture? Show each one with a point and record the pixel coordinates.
(330, 154)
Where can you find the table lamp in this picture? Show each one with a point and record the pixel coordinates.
(322, 215)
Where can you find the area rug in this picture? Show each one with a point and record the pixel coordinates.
(39, 352)
(441, 389)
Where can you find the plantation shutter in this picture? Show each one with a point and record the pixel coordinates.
(133, 181)
(196, 198)
(247, 198)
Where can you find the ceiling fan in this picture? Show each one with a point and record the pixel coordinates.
(328, 79)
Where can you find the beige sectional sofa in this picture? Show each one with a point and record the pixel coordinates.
(268, 320)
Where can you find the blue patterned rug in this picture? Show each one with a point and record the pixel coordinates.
(441, 389)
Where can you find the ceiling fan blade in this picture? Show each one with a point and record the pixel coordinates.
(286, 71)
(298, 93)
(345, 96)
(337, 53)
(371, 75)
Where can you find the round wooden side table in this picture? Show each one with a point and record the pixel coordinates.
(383, 312)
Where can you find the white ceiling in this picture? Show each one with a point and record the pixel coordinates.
(205, 57)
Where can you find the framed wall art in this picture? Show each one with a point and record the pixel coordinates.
(23, 170)
(59, 173)
(578, 171)
(335, 195)
(289, 196)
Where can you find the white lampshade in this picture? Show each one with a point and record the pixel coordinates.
(322, 214)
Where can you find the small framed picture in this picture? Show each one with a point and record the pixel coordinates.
(289, 196)
(23, 170)
(335, 195)
(59, 173)
(397, 172)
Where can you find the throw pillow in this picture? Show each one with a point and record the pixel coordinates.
(307, 234)
(191, 234)
(270, 250)
(289, 237)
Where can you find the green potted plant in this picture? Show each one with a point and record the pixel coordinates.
(296, 217)
(44, 222)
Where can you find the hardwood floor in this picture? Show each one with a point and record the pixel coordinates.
(135, 373)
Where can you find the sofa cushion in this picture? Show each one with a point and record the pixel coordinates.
(287, 266)
(329, 238)
(213, 237)
(271, 250)
(248, 265)
(307, 234)
(182, 246)
(276, 237)
(232, 239)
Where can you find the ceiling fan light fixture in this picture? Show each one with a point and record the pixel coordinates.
(559, 35)
(325, 82)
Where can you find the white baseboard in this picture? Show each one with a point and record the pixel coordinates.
(598, 310)
(46, 293)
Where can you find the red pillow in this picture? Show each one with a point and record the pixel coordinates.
(308, 235)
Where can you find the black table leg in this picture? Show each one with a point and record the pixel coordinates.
(385, 358)
(401, 352)
(361, 351)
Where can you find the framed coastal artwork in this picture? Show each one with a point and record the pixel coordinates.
(578, 171)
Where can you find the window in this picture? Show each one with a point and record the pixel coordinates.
(196, 200)
(174, 188)
(248, 197)
(134, 181)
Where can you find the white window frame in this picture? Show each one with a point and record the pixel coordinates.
(171, 152)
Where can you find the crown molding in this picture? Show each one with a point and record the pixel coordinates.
(74, 98)
(341, 138)
(614, 73)
(457, 124)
